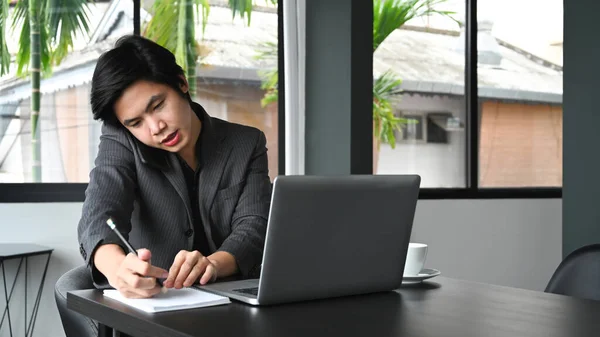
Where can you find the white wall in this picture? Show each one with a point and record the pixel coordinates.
(51, 225)
(506, 242)
(515, 243)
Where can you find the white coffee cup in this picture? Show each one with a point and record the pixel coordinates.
(415, 258)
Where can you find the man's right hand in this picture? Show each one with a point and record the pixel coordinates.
(133, 276)
(136, 277)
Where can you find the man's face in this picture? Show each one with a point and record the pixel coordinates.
(156, 115)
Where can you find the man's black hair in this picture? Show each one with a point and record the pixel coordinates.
(133, 58)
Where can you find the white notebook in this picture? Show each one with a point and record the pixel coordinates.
(173, 299)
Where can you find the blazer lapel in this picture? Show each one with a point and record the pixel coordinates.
(213, 157)
(170, 166)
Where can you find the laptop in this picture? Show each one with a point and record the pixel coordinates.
(331, 236)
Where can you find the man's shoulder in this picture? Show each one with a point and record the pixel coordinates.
(234, 131)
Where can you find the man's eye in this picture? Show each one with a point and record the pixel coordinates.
(134, 124)
(159, 105)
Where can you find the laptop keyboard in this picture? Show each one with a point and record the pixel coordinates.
(251, 291)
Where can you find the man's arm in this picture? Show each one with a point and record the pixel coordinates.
(242, 250)
(110, 193)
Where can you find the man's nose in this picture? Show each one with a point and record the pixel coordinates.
(157, 126)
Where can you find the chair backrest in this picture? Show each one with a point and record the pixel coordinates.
(578, 275)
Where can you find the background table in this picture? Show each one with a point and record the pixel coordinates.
(22, 251)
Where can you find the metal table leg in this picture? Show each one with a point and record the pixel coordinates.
(31, 324)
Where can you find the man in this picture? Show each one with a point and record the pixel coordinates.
(191, 190)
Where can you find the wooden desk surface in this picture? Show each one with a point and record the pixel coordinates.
(442, 307)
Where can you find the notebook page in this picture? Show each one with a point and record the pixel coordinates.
(173, 299)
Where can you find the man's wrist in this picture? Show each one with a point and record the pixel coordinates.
(107, 260)
(224, 263)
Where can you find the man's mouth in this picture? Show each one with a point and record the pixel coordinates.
(172, 139)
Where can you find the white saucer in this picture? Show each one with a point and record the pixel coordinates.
(423, 275)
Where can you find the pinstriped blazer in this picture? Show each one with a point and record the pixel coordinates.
(144, 190)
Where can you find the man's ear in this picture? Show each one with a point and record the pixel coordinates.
(184, 86)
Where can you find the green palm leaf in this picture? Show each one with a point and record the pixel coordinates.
(243, 7)
(385, 122)
(183, 36)
(385, 88)
(269, 84)
(268, 51)
(59, 22)
(162, 28)
(173, 26)
(389, 15)
(205, 7)
(21, 18)
(4, 55)
(64, 20)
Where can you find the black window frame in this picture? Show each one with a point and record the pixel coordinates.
(75, 192)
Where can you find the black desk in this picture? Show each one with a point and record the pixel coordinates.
(442, 307)
(22, 251)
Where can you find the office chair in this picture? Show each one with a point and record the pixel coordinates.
(578, 275)
(74, 324)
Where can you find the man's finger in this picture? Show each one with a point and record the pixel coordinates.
(196, 272)
(138, 282)
(210, 274)
(144, 254)
(174, 270)
(191, 261)
(146, 293)
(144, 268)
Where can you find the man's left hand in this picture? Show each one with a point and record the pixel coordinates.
(188, 267)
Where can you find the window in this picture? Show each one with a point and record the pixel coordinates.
(64, 148)
(234, 77)
(477, 122)
(509, 135)
(520, 93)
(413, 132)
(419, 69)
